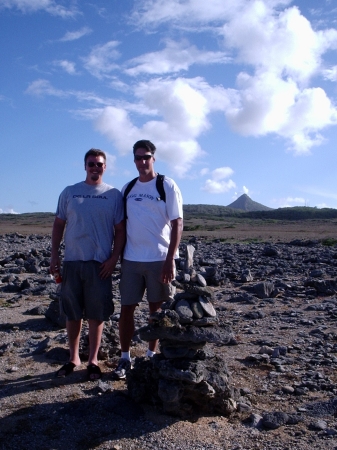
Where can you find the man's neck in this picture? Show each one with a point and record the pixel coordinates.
(144, 178)
(93, 182)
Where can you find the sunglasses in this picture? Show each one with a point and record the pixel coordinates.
(141, 158)
(93, 164)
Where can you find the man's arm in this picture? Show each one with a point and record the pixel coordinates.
(56, 238)
(109, 265)
(168, 272)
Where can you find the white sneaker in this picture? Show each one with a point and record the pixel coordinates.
(123, 366)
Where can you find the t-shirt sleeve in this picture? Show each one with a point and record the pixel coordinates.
(61, 210)
(174, 201)
(119, 207)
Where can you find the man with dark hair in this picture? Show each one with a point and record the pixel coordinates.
(154, 228)
(90, 214)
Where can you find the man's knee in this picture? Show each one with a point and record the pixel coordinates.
(127, 311)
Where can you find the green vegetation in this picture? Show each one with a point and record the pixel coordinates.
(222, 212)
(329, 242)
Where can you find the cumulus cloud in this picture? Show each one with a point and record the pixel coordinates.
(100, 61)
(275, 48)
(42, 87)
(74, 35)
(31, 6)
(179, 113)
(8, 210)
(330, 74)
(290, 201)
(174, 57)
(110, 163)
(218, 182)
(276, 97)
(194, 12)
(280, 53)
(67, 66)
(244, 190)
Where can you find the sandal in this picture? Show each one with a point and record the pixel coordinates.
(67, 368)
(94, 372)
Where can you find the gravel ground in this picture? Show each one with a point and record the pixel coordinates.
(40, 411)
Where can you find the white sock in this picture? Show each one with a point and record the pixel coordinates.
(126, 355)
(150, 353)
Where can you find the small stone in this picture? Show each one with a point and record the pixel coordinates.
(275, 420)
(207, 306)
(197, 310)
(184, 311)
(201, 280)
(319, 425)
(288, 389)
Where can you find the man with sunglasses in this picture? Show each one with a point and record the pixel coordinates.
(154, 228)
(90, 214)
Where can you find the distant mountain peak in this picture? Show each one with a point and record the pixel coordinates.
(245, 203)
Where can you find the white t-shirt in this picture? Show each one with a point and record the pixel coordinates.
(148, 220)
(90, 212)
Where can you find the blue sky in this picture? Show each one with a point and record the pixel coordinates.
(239, 96)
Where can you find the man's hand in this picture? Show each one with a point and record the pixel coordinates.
(55, 263)
(56, 238)
(169, 271)
(107, 267)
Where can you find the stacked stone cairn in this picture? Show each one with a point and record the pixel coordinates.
(186, 378)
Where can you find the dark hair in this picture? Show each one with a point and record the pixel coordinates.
(144, 144)
(94, 152)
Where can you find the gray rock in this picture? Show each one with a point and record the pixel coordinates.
(201, 280)
(184, 311)
(198, 311)
(207, 306)
(274, 420)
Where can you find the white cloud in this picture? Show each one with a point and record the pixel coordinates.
(8, 210)
(174, 57)
(67, 66)
(330, 74)
(290, 202)
(280, 53)
(74, 35)
(100, 62)
(204, 171)
(217, 183)
(221, 173)
(218, 187)
(31, 6)
(179, 111)
(156, 12)
(44, 87)
(110, 163)
(244, 190)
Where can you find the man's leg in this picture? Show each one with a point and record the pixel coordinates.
(95, 337)
(74, 332)
(154, 306)
(126, 331)
(126, 326)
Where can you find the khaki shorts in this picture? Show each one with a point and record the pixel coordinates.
(83, 293)
(138, 276)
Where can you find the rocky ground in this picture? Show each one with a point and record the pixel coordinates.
(280, 301)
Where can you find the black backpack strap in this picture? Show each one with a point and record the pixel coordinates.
(160, 187)
(126, 193)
